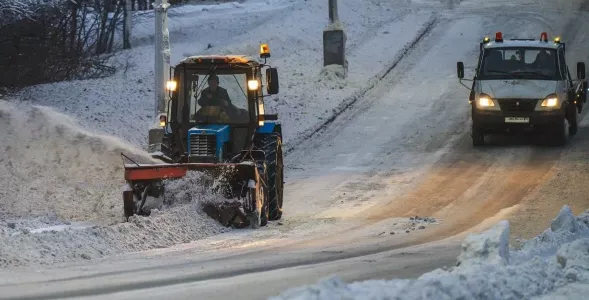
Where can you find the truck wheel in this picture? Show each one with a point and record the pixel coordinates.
(478, 137)
(559, 136)
(573, 120)
(272, 146)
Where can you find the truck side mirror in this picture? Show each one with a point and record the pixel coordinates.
(460, 69)
(272, 81)
(581, 70)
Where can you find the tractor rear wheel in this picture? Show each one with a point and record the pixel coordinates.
(272, 147)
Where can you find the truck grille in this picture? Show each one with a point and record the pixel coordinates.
(517, 105)
(203, 145)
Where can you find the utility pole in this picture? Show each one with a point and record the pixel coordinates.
(162, 67)
(334, 40)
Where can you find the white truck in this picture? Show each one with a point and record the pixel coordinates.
(522, 84)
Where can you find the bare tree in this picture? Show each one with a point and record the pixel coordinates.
(12, 10)
(53, 40)
(127, 25)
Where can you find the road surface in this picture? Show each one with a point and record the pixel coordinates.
(403, 150)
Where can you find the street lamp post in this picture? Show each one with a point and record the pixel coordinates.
(162, 67)
(334, 40)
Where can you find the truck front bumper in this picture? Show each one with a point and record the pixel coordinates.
(499, 121)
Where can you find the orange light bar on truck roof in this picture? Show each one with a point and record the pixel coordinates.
(499, 37)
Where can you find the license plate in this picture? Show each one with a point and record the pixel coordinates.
(517, 120)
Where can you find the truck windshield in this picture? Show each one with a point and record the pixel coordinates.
(217, 98)
(519, 63)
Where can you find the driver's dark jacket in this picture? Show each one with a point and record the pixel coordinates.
(217, 98)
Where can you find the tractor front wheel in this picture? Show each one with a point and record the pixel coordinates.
(258, 199)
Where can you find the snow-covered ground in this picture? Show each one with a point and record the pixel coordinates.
(122, 105)
(64, 139)
(398, 149)
(555, 263)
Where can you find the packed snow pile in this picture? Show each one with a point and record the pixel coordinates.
(26, 242)
(195, 187)
(62, 193)
(547, 266)
(491, 247)
(333, 77)
(50, 165)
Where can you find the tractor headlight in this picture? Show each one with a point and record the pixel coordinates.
(171, 85)
(486, 102)
(253, 85)
(549, 103)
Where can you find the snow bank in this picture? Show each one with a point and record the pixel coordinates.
(491, 247)
(545, 267)
(50, 165)
(62, 190)
(47, 240)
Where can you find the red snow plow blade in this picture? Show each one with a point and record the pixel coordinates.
(238, 182)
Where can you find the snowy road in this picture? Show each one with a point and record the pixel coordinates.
(400, 151)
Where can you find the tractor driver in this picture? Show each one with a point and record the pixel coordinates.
(215, 103)
(214, 95)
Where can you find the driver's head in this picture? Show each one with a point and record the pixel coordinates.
(213, 82)
(543, 56)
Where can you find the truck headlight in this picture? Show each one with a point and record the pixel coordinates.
(549, 103)
(486, 102)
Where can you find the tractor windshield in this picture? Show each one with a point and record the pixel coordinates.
(519, 63)
(218, 98)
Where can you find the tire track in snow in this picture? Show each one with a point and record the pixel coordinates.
(461, 181)
(292, 260)
(349, 102)
(454, 175)
(447, 193)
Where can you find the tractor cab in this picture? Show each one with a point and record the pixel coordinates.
(216, 106)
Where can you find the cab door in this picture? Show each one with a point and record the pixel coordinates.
(566, 84)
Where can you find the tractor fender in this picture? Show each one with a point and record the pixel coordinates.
(267, 128)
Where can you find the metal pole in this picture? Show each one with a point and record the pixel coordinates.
(162, 67)
(334, 40)
(162, 55)
(333, 17)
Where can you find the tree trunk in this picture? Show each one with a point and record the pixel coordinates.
(74, 28)
(113, 27)
(127, 25)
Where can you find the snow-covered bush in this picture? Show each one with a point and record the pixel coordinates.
(45, 41)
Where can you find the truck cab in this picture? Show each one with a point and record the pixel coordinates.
(523, 84)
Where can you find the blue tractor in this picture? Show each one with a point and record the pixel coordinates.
(215, 124)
